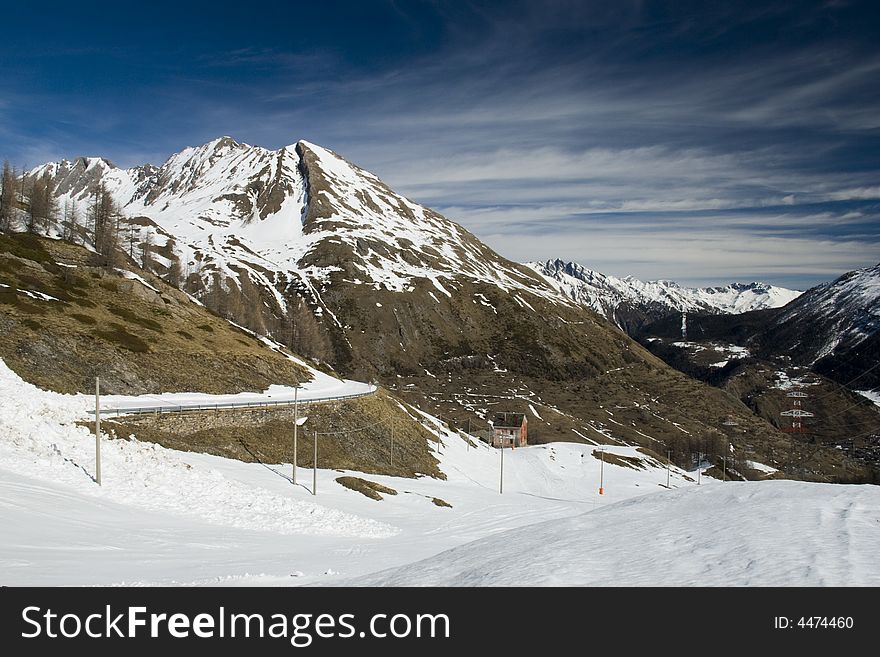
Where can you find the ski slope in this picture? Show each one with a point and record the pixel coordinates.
(163, 516)
(770, 533)
(166, 517)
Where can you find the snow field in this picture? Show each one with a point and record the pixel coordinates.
(773, 533)
(41, 439)
(169, 517)
(164, 516)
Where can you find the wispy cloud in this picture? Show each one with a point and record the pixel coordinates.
(651, 136)
(701, 256)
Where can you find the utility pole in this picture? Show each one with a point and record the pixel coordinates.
(730, 422)
(315, 468)
(469, 434)
(501, 478)
(98, 430)
(392, 441)
(668, 461)
(699, 463)
(602, 471)
(295, 427)
(439, 434)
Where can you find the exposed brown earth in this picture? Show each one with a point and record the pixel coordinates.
(139, 340)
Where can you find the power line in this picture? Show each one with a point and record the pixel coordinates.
(861, 402)
(876, 430)
(844, 386)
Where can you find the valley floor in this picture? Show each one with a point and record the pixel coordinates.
(169, 517)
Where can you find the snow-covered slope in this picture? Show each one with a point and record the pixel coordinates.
(833, 327)
(163, 516)
(845, 311)
(169, 517)
(621, 300)
(39, 437)
(774, 533)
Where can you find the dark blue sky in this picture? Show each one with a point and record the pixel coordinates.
(703, 142)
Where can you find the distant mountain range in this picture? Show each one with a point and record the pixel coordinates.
(833, 328)
(631, 303)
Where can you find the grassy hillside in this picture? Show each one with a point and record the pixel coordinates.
(63, 321)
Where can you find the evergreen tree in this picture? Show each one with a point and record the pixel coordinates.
(175, 273)
(65, 220)
(213, 294)
(73, 222)
(22, 190)
(132, 239)
(92, 212)
(107, 220)
(101, 214)
(70, 221)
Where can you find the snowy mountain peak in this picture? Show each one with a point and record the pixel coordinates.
(296, 215)
(79, 164)
(627, 301)
(393, 241)
(78, 177)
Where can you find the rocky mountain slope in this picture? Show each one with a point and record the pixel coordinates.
(631, 303)
(832, 329)
(824, 345)
(305, 246)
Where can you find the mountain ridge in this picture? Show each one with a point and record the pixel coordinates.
(631, 303)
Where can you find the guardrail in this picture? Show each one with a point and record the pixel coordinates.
(181, 408)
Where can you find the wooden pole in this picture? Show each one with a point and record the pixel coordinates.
(295, 427)
(315, 468)
(668, 459)
(501, 478)
(392, 441)
(98, 430)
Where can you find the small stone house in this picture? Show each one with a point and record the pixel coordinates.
(510, 430)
